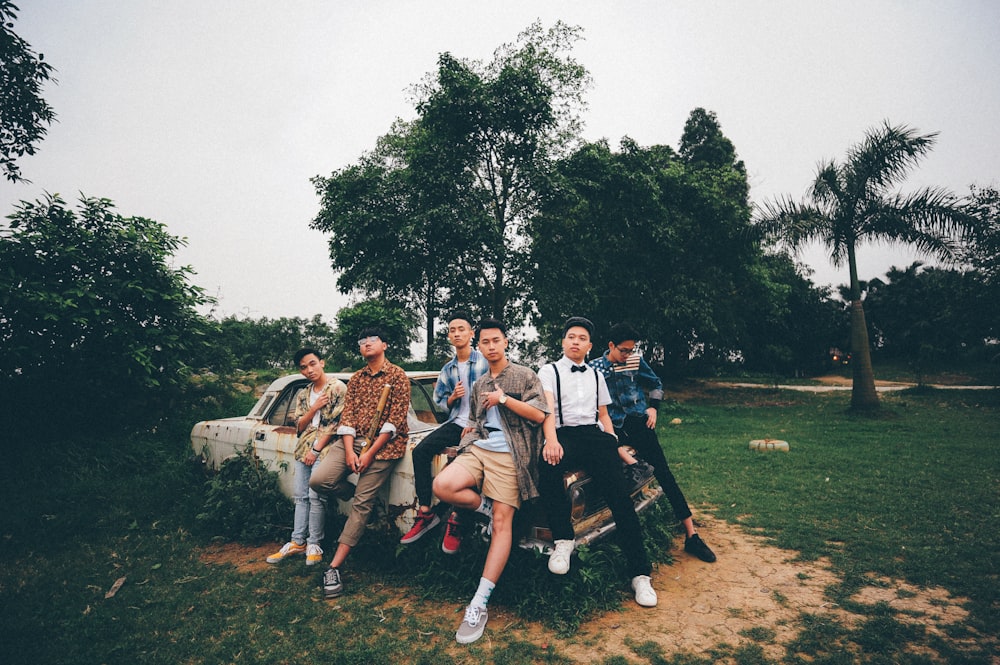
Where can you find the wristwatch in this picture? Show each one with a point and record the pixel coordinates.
(503, 398)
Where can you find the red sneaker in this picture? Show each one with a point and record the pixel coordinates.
(424, 523)
(452, 538)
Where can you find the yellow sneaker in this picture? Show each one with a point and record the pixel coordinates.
(314, 554)
(288, 549)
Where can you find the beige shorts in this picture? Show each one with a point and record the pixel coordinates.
(493, 472)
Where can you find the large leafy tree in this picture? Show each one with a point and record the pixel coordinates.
(653, 237)
(24, 114)
(436, 213)
(94, 318)
(854, 202)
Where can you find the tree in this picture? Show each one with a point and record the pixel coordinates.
(24, 115)
(982, 249)
(264, 342)
(436, 213)
(397, 323)
(93, 316)
(850, 203)
(931, 317)
(646, 236)
(796, 325)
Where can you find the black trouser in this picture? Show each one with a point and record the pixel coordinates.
(596, 452)
(634, 432)
(446, 435)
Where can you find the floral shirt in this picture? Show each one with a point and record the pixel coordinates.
(328, 416)
(363, 392)
(627, 383)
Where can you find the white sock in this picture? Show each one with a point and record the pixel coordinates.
(485, 506)
(483, 593)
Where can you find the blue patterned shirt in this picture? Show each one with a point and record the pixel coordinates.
(628, 383)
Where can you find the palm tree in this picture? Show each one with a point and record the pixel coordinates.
(850, 203)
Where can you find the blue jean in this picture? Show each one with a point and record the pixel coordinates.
(310, 508)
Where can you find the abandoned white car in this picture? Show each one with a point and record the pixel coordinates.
(269, 429)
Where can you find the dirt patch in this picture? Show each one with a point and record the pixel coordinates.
(244, 558)
(754, 593)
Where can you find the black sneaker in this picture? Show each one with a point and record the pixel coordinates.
(695, 546)
(333, 587)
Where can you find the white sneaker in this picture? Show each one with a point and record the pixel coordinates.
(644, 593)
(560, 556)
(314, 554)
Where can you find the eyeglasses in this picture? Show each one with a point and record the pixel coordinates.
(371, 339)
(625, 352)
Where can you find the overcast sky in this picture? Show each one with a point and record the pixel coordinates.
(212, 116)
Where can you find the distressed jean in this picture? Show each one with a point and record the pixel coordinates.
(310, 508)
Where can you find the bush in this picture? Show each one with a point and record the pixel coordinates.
(243, 502)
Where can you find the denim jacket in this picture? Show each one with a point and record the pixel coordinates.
(628, 383)
(448, 379)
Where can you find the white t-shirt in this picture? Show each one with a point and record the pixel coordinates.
(313, 396)
(462, 417)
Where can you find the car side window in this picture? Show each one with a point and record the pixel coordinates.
(423, 405)
(283, 413)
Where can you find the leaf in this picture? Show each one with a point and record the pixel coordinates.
(114, 588)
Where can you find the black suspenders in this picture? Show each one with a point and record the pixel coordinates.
(597, 393)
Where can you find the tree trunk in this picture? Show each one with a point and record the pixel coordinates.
(863, 395)
(431, 311)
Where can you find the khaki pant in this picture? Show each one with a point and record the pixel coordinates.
(330, 477)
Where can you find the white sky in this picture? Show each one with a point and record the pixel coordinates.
(211, 116)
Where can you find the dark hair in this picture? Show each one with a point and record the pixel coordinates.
(578, 321)
(463, 315)
(373, 331)
(485, 324)
(621, 332)
(302, 353)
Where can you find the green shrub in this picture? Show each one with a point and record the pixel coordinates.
(243, 502)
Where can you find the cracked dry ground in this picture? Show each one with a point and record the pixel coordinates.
(701, 606)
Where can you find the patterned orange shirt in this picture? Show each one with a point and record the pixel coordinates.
(361, 401)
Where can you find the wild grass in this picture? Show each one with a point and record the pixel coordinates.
(912, 494)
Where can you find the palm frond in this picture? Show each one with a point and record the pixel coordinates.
(884, 157)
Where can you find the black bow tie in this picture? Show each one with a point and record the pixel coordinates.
(578, 368)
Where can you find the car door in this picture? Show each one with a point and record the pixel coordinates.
(274, 436)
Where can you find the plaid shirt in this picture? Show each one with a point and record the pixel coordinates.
(627, 383)
(449, 377)
(363, 392)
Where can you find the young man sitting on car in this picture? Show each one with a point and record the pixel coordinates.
(579, 434)
(629, 377)
(451, 393)
(353, 452)
(496, 468)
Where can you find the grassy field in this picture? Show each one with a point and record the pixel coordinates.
(913, 494)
